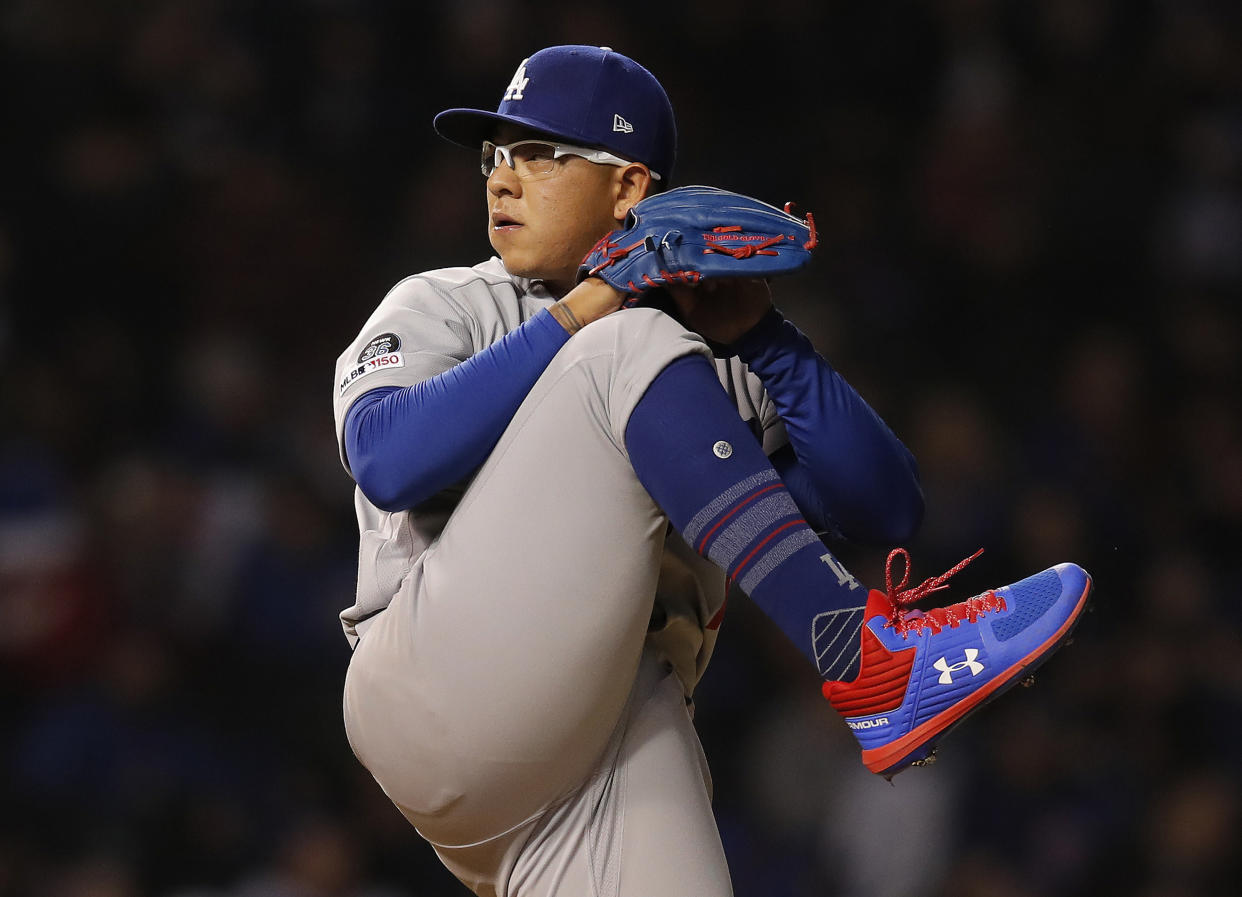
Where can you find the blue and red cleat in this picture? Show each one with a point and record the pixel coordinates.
(924, 672)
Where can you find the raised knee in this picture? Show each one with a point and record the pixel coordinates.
(614, 360)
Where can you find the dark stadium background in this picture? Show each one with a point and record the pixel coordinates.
(1031, 261)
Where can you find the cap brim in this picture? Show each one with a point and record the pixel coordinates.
(470, 127)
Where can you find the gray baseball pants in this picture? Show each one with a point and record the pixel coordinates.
(505, 701)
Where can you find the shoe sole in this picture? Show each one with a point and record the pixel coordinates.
(920, 742)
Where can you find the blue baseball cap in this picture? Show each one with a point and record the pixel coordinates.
(591, 96)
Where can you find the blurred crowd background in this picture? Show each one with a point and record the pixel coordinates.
(1031, 264)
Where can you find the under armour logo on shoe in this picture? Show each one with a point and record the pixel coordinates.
(620, 124)
(519, 82)
(946, 671)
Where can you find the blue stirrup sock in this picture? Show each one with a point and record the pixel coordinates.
(706, 470)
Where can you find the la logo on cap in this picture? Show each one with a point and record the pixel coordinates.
(519, 82)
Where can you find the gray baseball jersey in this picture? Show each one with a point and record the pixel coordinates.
(432, 321)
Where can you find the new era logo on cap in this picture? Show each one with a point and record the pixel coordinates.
(620, 124)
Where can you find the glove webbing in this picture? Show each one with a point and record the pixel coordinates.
(813, 240)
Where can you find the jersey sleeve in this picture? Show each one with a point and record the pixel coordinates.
(433, 379)
(416, 332)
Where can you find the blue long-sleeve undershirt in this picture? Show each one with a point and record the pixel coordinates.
(405, 444)
(847, 470)
(844, 467)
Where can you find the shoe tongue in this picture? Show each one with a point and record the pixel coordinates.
(878, 603)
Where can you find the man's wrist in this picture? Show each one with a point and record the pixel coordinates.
(588, 301)
(565, 317)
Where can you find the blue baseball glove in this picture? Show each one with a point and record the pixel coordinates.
(689, 233)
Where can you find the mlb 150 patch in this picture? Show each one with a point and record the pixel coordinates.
(369, 364)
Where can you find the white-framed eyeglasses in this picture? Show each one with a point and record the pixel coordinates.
(531, 159)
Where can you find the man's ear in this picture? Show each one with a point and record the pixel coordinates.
(633, 183)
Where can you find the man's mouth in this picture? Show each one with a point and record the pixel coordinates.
(502, 221)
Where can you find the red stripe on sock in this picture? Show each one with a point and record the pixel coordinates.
(736, 508)
(768, 538)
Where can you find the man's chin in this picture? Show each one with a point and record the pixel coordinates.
(516, 263)
(518, 266)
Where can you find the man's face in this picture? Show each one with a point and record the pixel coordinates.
(542, 228)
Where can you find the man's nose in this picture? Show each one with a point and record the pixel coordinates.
(503, 180)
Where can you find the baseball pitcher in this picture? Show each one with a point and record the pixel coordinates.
(567, 454)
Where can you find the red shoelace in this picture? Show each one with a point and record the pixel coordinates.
(905, 619)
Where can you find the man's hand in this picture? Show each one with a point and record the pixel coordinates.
(722, 310)
(588, 301)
